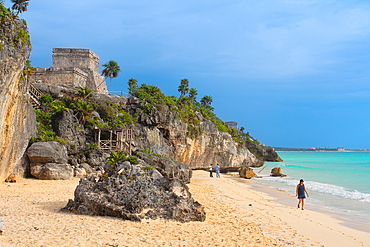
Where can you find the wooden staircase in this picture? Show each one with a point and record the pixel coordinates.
(34, 96)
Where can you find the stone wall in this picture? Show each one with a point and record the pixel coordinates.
(232, 124)
(55, 76)
(84, 59)
(72, 67)
(81, 58)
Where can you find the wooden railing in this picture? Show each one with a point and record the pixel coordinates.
(35, 94)
(119, 139)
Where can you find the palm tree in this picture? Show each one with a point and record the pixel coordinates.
(83, 110)
(111, 69)
(132, 85)
(132, 82)
(184, 87)
(20, 5)
(193, 94)
(206, 100)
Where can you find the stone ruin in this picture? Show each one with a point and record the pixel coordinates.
(74, 67)
(232, 125)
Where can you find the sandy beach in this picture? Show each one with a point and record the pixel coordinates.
(237, 215)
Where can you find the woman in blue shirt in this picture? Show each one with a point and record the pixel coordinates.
(301, 193)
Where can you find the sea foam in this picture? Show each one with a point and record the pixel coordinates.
(335, 190)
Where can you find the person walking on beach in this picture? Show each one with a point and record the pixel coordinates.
(301, 193)
(210, 170)
(217, 168)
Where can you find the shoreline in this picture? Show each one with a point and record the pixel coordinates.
(287, 199)
(237, 215)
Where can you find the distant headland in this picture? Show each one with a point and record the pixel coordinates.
(313, 149)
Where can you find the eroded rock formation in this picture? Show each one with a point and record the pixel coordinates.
(135, 192)
(246, 172)
(277, 172)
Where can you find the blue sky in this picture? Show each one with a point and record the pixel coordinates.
(294, 73)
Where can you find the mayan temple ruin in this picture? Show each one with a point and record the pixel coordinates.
(75, 67)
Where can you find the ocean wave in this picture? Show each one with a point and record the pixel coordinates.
(323, 188)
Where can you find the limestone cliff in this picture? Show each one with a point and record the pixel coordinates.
(163, 132)
(17, 118)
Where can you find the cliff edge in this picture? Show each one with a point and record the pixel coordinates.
(17, 118)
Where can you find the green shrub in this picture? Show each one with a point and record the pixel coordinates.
(23, 36)
(58, 106)
(114, 116)
(4, 13)
(92, 146)
(45, 99)
(151, 152)
(84, 92)
(121, 156)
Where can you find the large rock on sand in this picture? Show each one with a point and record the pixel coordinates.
(51, 171)
(47, 152)
(276, 172)
(49, 161)
(246, 172)
(135, 192)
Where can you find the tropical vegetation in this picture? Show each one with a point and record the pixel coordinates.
(20, 6)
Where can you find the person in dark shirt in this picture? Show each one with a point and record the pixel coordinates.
(301, 192)
(210, 170)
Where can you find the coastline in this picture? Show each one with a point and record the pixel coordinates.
(287, 199)
(337, 183)
(238, 214)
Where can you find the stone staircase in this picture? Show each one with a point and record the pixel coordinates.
(34, 96)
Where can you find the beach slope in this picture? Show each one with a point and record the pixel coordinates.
(237, 215)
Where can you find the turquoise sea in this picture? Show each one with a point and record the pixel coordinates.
(337, 182)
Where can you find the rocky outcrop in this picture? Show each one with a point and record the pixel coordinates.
(212, 147)
(47, 152)
(66, 126)
(163, 133)
(135, 192)
(263, 153)
(17, 118)
(276, 172)
(49, 161)
(246, 172)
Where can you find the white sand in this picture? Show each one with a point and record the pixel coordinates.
(30, 210)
